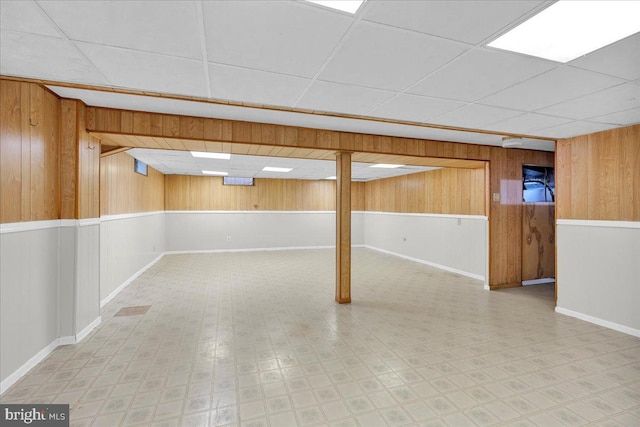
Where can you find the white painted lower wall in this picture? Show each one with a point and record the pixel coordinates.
(189, 231)
(28, 296)
(457, 243)
(49, 284)
(128, 244)
(598, 272)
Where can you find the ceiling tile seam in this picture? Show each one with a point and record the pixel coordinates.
(72, 43)
(345, 36)
(483, 105)
(515, 22)
(46, 36)
(577, 98)
(616, 112)
(203, 45)
(409, 30)
(404, 92)
(569, 65)
(524, 114)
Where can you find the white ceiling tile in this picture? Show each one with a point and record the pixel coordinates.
(618, 98)
(284, 37)
(466, 21)
(383, 57)
(478, 73)
(26, 16)
(415, 108)
(622, 118)
(526, 123)
(558, 85)
(167, 27)
(620, 59)
(261, 87)
(29, 55)
(475, 116)
(337, 97)
(575, 128)
(147, 71)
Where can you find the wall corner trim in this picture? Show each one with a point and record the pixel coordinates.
(127, 282)
(601, 322)
(430, 264)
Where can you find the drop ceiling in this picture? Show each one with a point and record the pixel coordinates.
(404, 64)
(172, 162)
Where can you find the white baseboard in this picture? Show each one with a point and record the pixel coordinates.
(42, 354)
(22, 370)
(127, 282)
(538, 281)
(287, 248)
(68, 340)
(86, 331)
(486, 287)
(430, 264)
(601, 322)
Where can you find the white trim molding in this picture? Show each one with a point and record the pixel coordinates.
(127, 282)
(429, 215)
(257, 212)
(129, 215)
(288, 248)
(598, 223)
(431, 264)
(22, 370)
(84, 222)
(601, 322)
(87, 330)
(16, 227)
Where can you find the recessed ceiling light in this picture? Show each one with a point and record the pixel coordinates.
(215, 173)
(569, 29)
(274, 169)
(207, 155)
(331, 177)
(349, 6)
(385, 166)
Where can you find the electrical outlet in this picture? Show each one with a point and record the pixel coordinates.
(228, 238)
(459, 221)
(496, 197)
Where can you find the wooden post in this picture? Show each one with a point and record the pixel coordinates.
(343, 228)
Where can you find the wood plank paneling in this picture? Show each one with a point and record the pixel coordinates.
(29, 153)
(538, 241)
(505, 170)
(186, 192)
(88, 190)
(598, 176)
(441, 191)
(124, 191)
(343, 228)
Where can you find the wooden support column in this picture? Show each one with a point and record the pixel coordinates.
(343, 228)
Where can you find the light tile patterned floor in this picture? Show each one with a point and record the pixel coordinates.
(255, 339)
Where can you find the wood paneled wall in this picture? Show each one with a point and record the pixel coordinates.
(124, 191)
(185, 192)
(441, 191)
(598, 176)
(29, 154)
(505, 219)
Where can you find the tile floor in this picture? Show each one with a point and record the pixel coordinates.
(255, 339)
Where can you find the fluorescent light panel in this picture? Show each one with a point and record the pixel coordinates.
(385, 166)
(349, 6)
(207, 155)
(274, 169)
(569, 29)
(215, 173)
